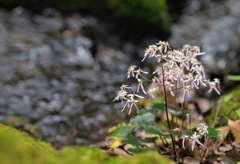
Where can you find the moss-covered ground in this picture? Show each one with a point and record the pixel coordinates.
(20, 148)
(226, 108)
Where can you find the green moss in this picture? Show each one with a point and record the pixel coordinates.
(152, 12)
(18, 147)
(226, 105)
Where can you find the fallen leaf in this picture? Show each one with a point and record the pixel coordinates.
(113, 142)
(236, 145)
(225, 148)
(215, 143)
(223, 132)
(234, 127)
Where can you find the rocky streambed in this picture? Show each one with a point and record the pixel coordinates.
(53, 81)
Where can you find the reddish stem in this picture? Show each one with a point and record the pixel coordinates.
(183, 117)
(166, 109)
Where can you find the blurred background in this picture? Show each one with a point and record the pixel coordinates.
(62, 62)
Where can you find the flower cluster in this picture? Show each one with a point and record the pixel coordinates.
(176, 70)
(202, 130)
(130, 99)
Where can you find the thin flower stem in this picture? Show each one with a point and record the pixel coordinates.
(203, 155)
(181, 150)
(183, 117)
(165, 99)
(163, 140)
(205, 150)
(145, 78)
(158, 147)
(166, 109)
(175, 103)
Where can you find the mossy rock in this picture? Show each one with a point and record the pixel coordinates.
(18, 147)
(226, 108)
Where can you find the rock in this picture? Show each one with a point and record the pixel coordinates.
(214, 26)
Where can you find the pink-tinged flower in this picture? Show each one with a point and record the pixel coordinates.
(212, 86)
(217, 82)
(169, 86)
(198, 69)
(131, 70)
(185, 92)
(190, 80)
(150, 51)
(194, 139)
(203, 129)
(139, 72)
(130, 102)
(158, 71)
(163, 46)
(199, 80)
(152, 91)
(124, 87)
(122, 94)
(183, 140)
(186, 62)
(140, 85)
(195, 49)
(186, 47)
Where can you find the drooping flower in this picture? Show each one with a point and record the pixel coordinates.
(131, 71)
(122, 93)
(183, 140)
(130, 102)
(140, 85)
(185, 92)
(163, 46)
(195, 139)
(150, 51)
(212, 85)
(217, 82)
(139, 72)
(203, 129)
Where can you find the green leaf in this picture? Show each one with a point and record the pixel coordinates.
(143, 118)
(133, 140)
(159, 108)
(212, 132)
(138, 141)
(150, 140)
(238, 112)
(163, 124)
(234, 77)
(154, 130)
(175, 133)
(138, 150)
(121, 130)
